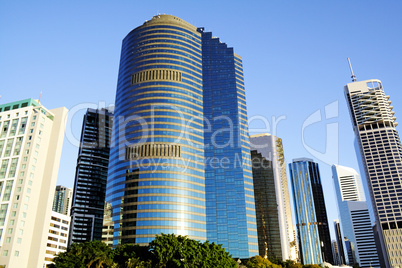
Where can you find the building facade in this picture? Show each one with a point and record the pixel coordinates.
(381, 153)
(62, 200)
(335, 252)
(91, 177)
(340, 254)
(160, 180)
(156, 181)
(354, 218)
(311, 216)
(230, 210)
(31, 139)
(57, 237)
(108, 226)
(272, 202)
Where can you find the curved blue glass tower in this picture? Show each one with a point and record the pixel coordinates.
(180, 157)
(156, 180)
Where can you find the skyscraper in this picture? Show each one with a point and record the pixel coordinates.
(381, 153)
(354, 218)
(62, 200)
(335, 251)
(91, 177)
(311, 215)
(231, 219)
(31, 139)
(340, 255)
(164, 172)
(272, 202)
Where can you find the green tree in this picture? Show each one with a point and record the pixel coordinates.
(260, 262)
(131, 256)
(292, 264)
(171, 251)
(137, 263)
(95, 254)
(166, 251)
(214, 255)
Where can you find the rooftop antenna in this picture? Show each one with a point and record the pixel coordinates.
(351, 70)
(40, 95)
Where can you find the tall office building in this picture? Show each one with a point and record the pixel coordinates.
(62, 200)
(335, 252)
(231, 218)
(161, 177)
(381, 153)
(91, 176)
(311, 215)
(272, 202)
(31, 139)
(354, 218)
(340, 255)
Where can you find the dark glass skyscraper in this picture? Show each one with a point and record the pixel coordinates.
(311, 215)
(340, 255)
(272, 202)
(165, 172)
(91, 177)
(269, 239)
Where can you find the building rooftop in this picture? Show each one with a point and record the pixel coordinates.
(303, 159)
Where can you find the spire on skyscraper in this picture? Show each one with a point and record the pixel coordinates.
(351, 70)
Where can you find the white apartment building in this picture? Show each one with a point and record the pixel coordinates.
(31, 139)
(57, 240)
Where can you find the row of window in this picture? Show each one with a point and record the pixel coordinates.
(156, 74)
(11, 129)
(148, 150)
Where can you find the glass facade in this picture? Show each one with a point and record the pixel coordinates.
(311, 216)
(156, 180)
(273, 211)
(269, 239)
(91, 177)
(180, 113)
(339, 256)
(231, 219)
(381, 153)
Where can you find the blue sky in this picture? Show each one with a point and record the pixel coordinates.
(294, 56)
